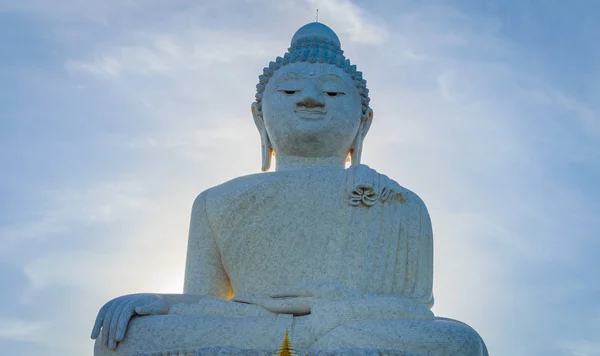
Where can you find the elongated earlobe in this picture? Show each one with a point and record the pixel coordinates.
(265, 141)
(356, 150)
(267, 152)
(357, 145)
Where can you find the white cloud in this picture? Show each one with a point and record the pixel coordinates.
(457, 119)
(350, 21)
(67, 210)
(174, 55)
(118, 211)
(581, 348)
(20, 330)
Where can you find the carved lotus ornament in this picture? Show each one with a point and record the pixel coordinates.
(365, 187)
(363, 194)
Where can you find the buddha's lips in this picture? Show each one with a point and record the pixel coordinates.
(310, 114)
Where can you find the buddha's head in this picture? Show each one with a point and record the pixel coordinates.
(312, 103)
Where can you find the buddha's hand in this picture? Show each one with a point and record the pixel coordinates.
(115, 315)
(300, 299)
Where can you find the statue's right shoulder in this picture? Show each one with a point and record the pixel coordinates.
(225, 195)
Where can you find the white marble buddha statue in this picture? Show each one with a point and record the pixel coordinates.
(340, 257)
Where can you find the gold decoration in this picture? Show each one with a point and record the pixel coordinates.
(286, 348)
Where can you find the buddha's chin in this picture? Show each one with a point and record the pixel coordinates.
(312, 143)
(324, 130)
(310, 116)
(316, 124)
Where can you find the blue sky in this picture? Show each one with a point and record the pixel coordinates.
(115, 114)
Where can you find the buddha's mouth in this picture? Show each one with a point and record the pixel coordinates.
(310, 114)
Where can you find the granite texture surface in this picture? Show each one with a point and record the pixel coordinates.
(341, 257)
(232, 351)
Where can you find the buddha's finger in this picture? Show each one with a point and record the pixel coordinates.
(99, 320)
(264, 302)
(241, 299)
(114, 318)
(124, 318)
(289, 293)
(114, 321)
(301, 305)
(154, 308)
(106, 322)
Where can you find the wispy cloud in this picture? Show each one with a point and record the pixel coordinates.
(67, 210)
(581, 348)
(354, 23)
(462, 117)
(168, 55)
(13, 329)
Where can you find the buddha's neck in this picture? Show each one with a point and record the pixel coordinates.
(286, 163)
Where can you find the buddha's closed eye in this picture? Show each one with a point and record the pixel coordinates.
(328, 93)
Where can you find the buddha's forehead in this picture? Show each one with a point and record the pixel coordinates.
(323, 72)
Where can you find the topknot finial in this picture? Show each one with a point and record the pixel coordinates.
(316, 30)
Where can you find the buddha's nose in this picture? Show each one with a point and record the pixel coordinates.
(311, 97)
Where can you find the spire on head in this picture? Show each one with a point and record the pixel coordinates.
(316, 30)
(314, 43)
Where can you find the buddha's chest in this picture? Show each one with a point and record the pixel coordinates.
(285, 230)
(300, 211)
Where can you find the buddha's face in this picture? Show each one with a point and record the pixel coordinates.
(311, 110)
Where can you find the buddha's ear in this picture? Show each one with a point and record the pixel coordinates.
(356, 149)
(265, 141)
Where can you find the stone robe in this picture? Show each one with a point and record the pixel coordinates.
(353, 226)
(257, 234)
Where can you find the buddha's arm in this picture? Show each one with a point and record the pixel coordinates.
(205, 275)
(414, 279)
(411, 295)
(204, 278)
(413, 274)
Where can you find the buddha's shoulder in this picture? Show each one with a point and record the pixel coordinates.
(362, 175)
(263, 185)
(411, 198)
(232, 190)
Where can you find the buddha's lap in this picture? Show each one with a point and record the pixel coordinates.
(162, 333)
(440, 336)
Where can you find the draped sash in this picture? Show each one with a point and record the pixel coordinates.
(394, 226)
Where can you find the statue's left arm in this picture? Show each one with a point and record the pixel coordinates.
(414, 277)
(411, 295)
